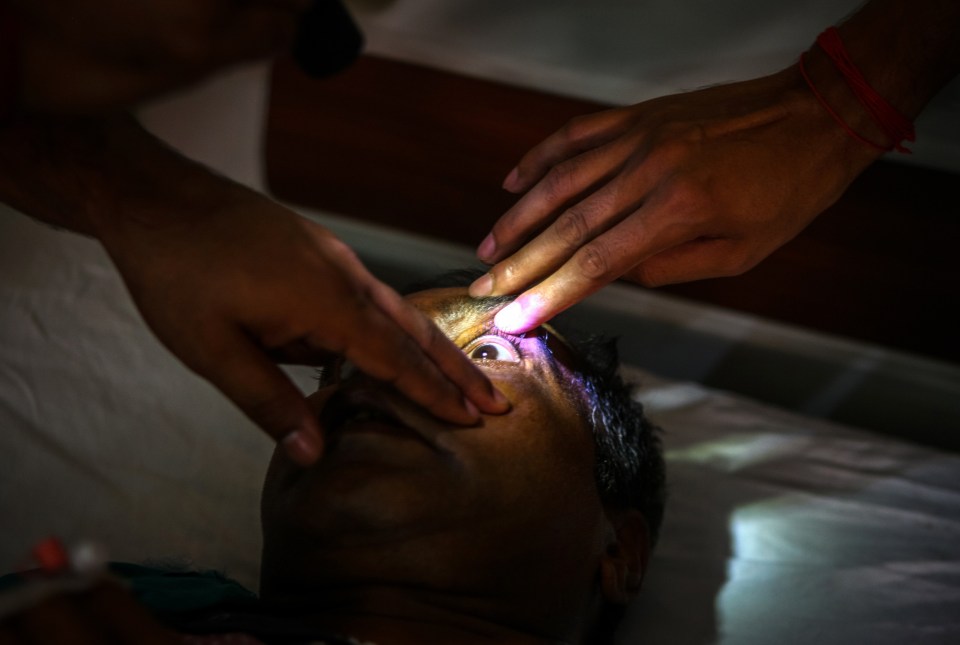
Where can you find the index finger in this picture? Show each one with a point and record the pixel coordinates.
(577, 135)
(446, 359)
(593, 266)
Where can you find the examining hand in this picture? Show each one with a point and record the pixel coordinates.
(679, 188)
(231, 281)
(250, 278)
(86, 57)
(708, 183)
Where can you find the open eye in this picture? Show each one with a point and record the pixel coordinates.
(492, 348)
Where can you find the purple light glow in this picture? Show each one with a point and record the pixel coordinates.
(520, 315)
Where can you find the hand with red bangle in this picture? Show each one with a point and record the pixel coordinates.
(709, 183)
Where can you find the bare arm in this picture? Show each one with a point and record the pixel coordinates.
(226, 278)
(707, 183)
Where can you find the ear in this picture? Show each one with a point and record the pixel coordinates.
(624, 562)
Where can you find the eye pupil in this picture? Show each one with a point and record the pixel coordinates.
(486, 352)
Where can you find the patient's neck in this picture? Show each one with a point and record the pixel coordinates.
(402, 616)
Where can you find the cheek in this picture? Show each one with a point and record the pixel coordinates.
(540, 452)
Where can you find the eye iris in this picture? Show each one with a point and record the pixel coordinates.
(486, 352)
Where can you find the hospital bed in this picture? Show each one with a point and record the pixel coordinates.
(814, 494)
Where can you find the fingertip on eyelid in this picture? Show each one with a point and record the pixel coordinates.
(517, 317)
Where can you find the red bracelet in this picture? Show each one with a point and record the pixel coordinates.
(896, 126)
(51, 555)
(836, 117)
(9, 62)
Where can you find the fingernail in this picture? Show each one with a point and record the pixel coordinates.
(487, 248)
(482, 286)
(508, 318)
(501, 400)
(510, 182)
(517, 317)
(301, 447)
(471, 409)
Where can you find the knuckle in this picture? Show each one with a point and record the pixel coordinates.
(509, 271)
(561, 179)
(674, 145)
(593, 263)
(687, 198)
(571, 228)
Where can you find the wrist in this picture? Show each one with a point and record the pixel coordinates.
(150, 191)
(104, 177)
(834, 119)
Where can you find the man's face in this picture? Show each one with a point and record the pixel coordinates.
(403, 497)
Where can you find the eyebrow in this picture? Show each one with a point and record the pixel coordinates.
(471, 308)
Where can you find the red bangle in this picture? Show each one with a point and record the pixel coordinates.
(51, 555)
(836, 117)
(9, 62)
(897, 127)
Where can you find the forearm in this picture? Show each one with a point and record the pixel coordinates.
(907, 50)
(98, 176)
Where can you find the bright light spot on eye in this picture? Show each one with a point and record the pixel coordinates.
(493, 348)
(486, 353)
(520, 315)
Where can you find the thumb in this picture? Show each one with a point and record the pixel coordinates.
(244, 373)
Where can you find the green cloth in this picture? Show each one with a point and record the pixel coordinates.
(169, 591)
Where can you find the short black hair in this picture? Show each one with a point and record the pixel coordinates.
(629, 466)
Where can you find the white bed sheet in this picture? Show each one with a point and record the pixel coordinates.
(780, 528)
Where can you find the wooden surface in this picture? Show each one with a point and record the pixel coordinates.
(425, 151)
